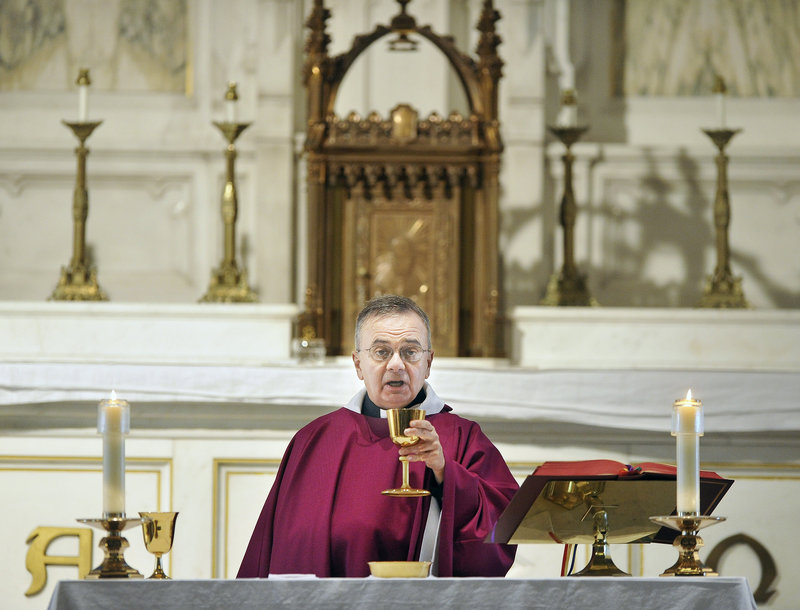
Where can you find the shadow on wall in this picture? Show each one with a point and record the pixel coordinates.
(656, 243)
(685, 233)
(654, 252)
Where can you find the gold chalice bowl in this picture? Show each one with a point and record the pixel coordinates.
(399, 419)
(158, 530)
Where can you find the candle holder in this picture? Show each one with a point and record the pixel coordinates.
(600, 563)
(687, 543)
(229, 282)
(722, 289)
(78, 281)
(568, 287)
(113, 545)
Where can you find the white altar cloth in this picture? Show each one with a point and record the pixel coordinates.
(723, 593)
(620, 399)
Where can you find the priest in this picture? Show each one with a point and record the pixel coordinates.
(325, 514)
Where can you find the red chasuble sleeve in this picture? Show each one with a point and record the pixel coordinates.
(477, 488)
(325, 514)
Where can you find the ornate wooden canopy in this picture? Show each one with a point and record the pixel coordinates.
(404, 204)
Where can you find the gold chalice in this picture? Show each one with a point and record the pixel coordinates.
(399, 419)
(158, 530)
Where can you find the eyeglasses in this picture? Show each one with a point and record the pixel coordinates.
(383, 353)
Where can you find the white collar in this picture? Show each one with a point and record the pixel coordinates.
(432, 403)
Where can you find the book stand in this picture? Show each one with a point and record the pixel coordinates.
(597, 510)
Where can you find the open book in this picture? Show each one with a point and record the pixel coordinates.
(610, 468)
(555, 502)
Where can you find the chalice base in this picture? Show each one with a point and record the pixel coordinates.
(406, 492)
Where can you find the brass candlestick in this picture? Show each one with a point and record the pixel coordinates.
(687, 543)
(228, 282)
(113, 545)
(78, 281)
(722, 289)
(568, 287)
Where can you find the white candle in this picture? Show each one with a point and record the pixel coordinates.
(113, 422)
(83, 83)
(720, 90)
(687, 428)
(568, 112)
(231, 96)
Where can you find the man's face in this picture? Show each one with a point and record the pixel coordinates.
(394, 383)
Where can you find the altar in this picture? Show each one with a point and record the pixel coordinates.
(212, 412)
(723, 593)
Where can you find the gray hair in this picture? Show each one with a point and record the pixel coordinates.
(388, 305)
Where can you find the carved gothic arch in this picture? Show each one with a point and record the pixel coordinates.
(376, 185)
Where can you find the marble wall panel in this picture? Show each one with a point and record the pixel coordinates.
(130, 45)
(675, 47)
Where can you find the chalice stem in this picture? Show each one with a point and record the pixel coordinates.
(404, 460)
(159, 571)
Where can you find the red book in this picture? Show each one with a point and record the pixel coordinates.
(610, 468)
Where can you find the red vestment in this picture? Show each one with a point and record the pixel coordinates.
(325, 514)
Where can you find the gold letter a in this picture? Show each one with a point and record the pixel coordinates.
(36, 561)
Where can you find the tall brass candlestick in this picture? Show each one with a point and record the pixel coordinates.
(568, 287)
(78, 281)
(228, 282)
(722, 289)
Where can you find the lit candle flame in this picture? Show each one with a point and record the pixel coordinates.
(689, 394)
(114, 395)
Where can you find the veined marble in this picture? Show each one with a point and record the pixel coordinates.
(675, 47)
(128, 45)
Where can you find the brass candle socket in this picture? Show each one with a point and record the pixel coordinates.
(228, 282)
(688, 543)
(78, 281)
(722, 289)
(113, 545)
(568, 287)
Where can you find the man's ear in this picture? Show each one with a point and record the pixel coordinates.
(357, 363)
(430, 361)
